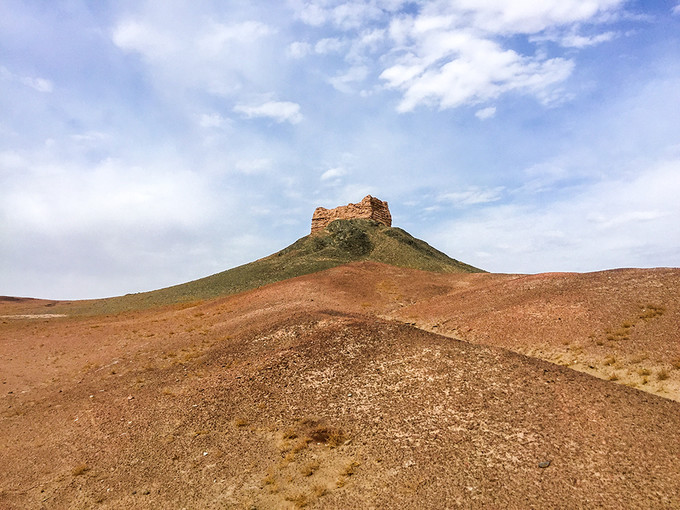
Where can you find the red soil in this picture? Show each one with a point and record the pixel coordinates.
(327, 391)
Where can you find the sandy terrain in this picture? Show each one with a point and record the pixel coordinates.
(364, 386)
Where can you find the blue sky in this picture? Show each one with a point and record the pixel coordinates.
(147, 143)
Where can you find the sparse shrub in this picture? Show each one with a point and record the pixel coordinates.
(240, 422)
(614, 377)
(662, 374)
(676, 363)
(609, 361)
(644, 371)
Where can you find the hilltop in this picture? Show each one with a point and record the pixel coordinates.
(340, 242)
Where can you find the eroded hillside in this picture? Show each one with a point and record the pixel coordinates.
(326, 391)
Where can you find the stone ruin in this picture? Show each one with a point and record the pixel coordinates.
(369, 208)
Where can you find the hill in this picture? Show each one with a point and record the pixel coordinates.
(326, 391)
(341, 242)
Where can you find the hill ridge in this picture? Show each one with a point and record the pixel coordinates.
(341, 242)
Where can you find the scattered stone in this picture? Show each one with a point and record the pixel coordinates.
(544, 464)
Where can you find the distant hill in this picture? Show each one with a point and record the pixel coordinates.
(341, 242)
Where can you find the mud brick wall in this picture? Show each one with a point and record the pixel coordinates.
(369, 208)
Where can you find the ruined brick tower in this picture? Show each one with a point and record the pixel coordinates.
(369, 208)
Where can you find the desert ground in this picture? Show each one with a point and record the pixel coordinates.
(361, 386)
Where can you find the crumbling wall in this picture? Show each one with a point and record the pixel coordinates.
(369, 208)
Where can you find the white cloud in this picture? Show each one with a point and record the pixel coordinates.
(343, 14)
(580, 41)
(333, 173)
(62, 198)
(220, 37)
(624, 218)
(354, 14)
(472, 196)
(189, 49)
(144, 38)
(299, 49)
(212, 120)
(11, 160)
(329, 45)
(253, 166)
(486, 113)
(574, 40)
(676, 10)
(619, 222)
(521, 16)
(312, 14)
(90, 138)
(452, 53)
(39, 84)
(344, 81)
(280, 111)
(474, 70)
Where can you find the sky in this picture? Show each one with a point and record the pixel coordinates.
(148, 143)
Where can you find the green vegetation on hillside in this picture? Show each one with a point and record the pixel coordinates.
(342, 242)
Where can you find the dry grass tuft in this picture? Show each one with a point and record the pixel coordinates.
(320, 490)
(330, 436)
(81, 469)
(350, 469)
(300, 500)
(651, 311)
(310, 468)
(662, 374)
(290, 434)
